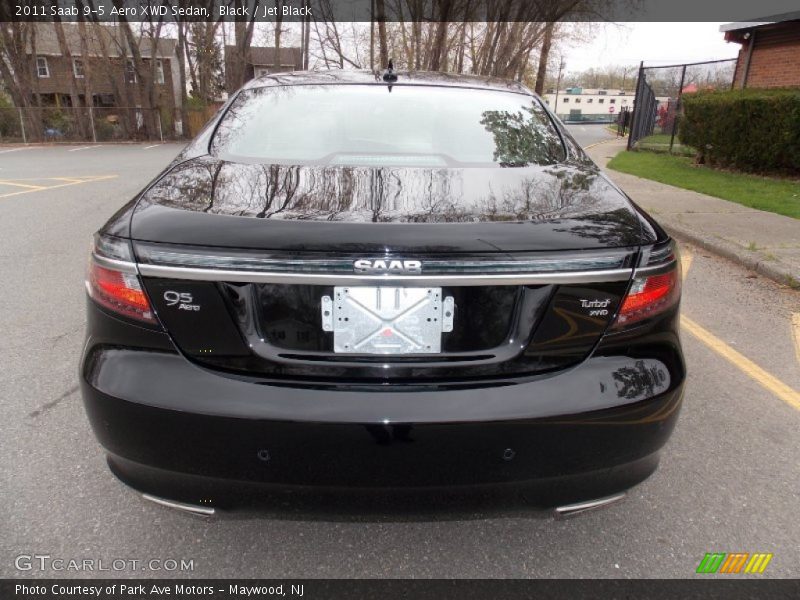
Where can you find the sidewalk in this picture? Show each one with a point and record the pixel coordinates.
(764, 242)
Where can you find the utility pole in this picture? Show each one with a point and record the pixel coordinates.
(561, 65)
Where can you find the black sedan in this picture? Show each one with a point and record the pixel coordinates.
(350, 280)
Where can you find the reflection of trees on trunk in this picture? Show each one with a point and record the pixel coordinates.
(588, 205)
(376, 194)
(214, 181)
(614, 228)
(188, 187)
(567, 192)
(641, 381)
(281, 185)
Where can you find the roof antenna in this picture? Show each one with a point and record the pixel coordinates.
(389, 74)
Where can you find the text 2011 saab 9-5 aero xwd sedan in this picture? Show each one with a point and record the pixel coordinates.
(413, 280)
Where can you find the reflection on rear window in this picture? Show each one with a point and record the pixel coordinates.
(368, 125)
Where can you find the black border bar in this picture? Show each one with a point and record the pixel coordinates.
(428, 10)
(732, 588)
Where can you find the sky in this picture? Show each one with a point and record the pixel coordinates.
(655, 43)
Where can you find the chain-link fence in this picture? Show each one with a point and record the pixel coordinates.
(657, 105)
(97, 124)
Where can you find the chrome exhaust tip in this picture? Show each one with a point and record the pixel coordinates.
(195, 509)
(568, 511)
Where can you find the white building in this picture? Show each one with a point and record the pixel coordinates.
(577, 103)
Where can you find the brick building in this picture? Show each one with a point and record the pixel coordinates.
(101, 82)
(770, 53)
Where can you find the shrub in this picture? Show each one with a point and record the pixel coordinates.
(9, 118)
(750, 130)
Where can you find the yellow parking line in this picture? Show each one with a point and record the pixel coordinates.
(767, 380)
(60, 185)
(73, 179)
(25, 185)
(744, 364)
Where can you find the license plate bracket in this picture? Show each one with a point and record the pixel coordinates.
(387, 320)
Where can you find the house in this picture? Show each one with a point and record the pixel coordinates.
(112, 82)
(770, 52)
(260, 61)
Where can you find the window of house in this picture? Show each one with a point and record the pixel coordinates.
(590, 100)
(613, 101)
(130, 72)
(159, 71)
(42, 69)
(104, 100)
(601, 100)
(77, 67)
(577, 100)
(565, 100)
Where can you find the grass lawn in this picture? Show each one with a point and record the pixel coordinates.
(780, 196)
(659, 142)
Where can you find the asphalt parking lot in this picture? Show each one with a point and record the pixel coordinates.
(728, 479)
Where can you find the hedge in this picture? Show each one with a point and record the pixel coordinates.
(750, 130)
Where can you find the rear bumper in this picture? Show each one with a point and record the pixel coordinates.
(174, 429)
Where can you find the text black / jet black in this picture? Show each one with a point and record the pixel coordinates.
(346, 283)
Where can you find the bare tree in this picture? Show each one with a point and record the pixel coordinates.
(18, 70)
(66, 53)
(380, 17)
(544, 55)
(278, 31)
(180, 52)
(205, 58)
(482, 37)
(243, 35)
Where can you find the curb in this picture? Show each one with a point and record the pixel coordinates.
(614, 139)
(730, 251)
(10, 145)
(752, 260)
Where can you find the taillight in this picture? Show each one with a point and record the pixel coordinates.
(649, 294)
(113, 283)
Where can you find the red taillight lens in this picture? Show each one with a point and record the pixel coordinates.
(648, 296)
(119, 291)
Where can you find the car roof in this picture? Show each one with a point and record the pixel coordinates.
(365, 77)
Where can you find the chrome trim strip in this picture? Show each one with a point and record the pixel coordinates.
(195, 509)
(149, 270)
(232, 260)
(571, 510)
(345, 266)
(655, 269)
(112, 263)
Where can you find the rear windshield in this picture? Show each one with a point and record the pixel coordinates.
(371, 125)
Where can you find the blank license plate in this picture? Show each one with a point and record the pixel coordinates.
(387, 320)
